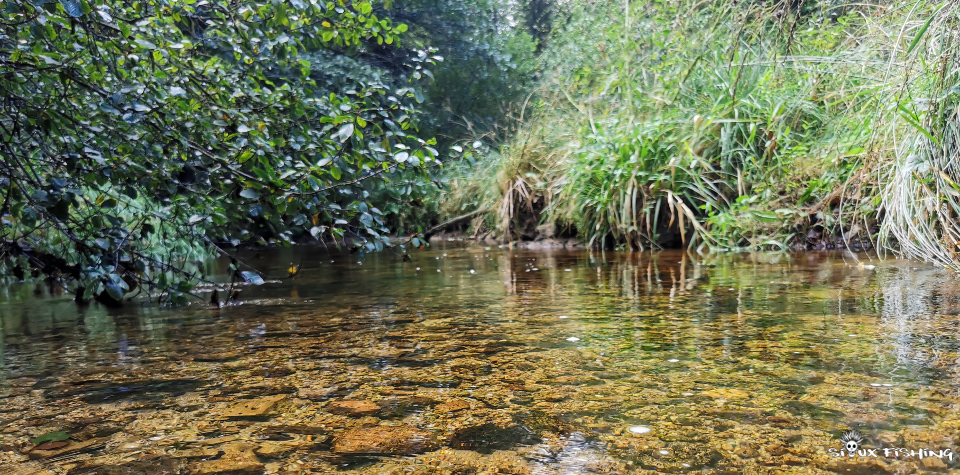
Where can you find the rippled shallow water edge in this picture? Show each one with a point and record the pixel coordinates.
(485, 361)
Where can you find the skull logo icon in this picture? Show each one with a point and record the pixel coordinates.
(852, 440)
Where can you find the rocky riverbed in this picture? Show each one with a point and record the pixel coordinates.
(579, 371)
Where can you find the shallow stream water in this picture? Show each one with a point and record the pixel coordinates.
(476, 360)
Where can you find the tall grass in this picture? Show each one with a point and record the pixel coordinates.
(742, 126)
(921, 195)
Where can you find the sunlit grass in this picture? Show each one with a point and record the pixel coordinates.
(740, 126)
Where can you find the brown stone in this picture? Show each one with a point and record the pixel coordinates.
(238, 457)
(775, 449)
(253, 407)
(352, 408)
(747, 452)
(200, 452)
(317, 394)
(219, 440)
(216, 356)
(726, 393)
(385, 440)
(932, 463)
(296, 429)
(452, 406)
(857, 465)
(273, 449)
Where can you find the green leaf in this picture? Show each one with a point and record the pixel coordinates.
(366, 219)
(73, 7)
(923, 29)
(250, 194)
(58, 436)
(114, 290)
(345, 132)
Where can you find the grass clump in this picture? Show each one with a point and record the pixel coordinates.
(727, 126)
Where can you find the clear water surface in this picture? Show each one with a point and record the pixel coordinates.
(476, 360)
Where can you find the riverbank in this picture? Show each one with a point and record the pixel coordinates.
(732, 127)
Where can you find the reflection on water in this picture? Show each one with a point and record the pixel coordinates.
(476, 360)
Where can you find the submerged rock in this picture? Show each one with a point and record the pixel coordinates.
(352, 408)
(238, 457)
(385, 440)
(253, 407)
(726, 393)
(487, 437)
(452, 406)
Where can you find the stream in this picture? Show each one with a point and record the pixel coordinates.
(484, 360)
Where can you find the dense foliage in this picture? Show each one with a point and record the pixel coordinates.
(135, 134)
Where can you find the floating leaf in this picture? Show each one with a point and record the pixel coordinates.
(252, 277)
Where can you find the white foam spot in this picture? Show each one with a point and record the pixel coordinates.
(640, 430)
(673, 361)
(664, 452)
(887, 385)
(688, 394)
(876, 385)
(473, 271)
(563, 316)
(573, 338)
(568, 270)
